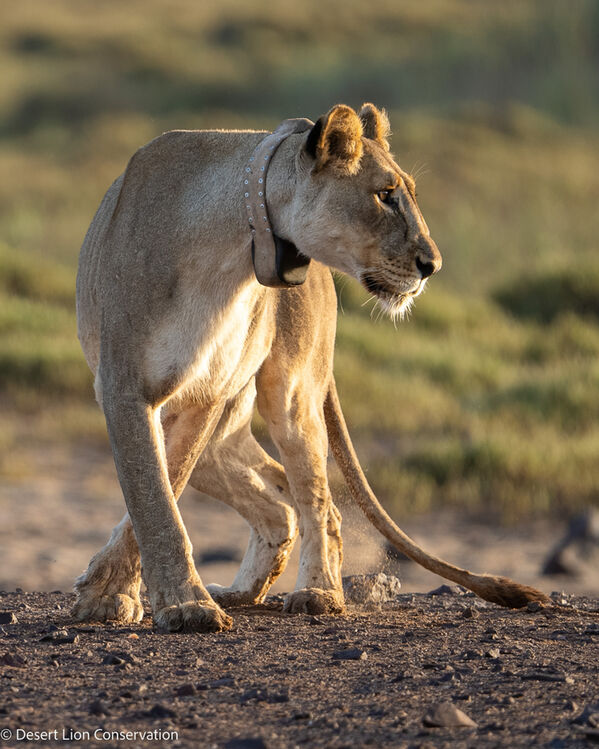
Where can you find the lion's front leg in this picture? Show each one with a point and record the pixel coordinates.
(178, 597)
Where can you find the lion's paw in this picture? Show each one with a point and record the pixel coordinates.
(229, 597)
(101, 608)
(192, 616)
(314, 601)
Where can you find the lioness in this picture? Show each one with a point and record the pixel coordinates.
(183, 339)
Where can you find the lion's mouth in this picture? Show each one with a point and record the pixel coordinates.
(381, 289)
(396, 303)
(377, 287)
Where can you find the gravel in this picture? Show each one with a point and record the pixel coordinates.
(420, 674)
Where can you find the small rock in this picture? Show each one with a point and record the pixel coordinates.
(534, 606)
(278, 698)
(112, 660)
(553, 676)
(314, 620)
(449, 676)
(160, 711)
(97, 707)
(227, 681)
(560, 597)
(14, 660)
(351, 654)
(119, 658)
(447, 715)
(8, 617)
(447, 590)
(301, 716)
(470, 655)
(469, 613)
(60, 637)
(259, 695)
(133, 636)
(492, 653)
(246, 743)
(371, 589)
(186, 690)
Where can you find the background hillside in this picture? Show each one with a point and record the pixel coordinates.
(488, 398)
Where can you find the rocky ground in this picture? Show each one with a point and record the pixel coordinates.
(385, 674)
(421, 670)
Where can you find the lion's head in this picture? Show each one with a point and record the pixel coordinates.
(355, 209)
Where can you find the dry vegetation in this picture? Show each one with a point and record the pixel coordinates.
(489, 397)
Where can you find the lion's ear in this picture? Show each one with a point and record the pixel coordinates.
(335, 141)
(376, 124)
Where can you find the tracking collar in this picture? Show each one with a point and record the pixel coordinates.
(277, 261)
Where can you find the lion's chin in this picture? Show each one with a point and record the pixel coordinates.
(394, 304)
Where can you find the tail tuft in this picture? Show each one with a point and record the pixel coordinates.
(506, 592)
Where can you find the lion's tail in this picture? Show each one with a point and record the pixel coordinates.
(499, 590)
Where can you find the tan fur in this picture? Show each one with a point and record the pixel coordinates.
(183, 341)
(375, 124)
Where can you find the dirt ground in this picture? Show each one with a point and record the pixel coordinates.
(384, 677)
(379, 676)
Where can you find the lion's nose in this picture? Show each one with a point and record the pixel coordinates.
(428, 260)
(426, 269)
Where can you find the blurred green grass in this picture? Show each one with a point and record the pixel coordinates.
(488, 398)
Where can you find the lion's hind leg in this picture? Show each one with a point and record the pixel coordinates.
(241, 474)
(109, 588)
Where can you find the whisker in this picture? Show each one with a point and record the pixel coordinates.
(370, 298)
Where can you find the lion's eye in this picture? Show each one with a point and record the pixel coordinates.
(385, 196)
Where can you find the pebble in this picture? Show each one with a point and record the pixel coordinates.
(97, 707)
(160, 711)
(554, 676)
(470, 613)
(60, 637)
(8, 617)
(14, 660)
(447, 590)
(227, 681)
(470, 655)
(259, 695)
(246, 743)
(447, 715)
(186, 690)
(112, 660)
(534, 606)
(492, 653)
(368, 589)
(351, 654)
